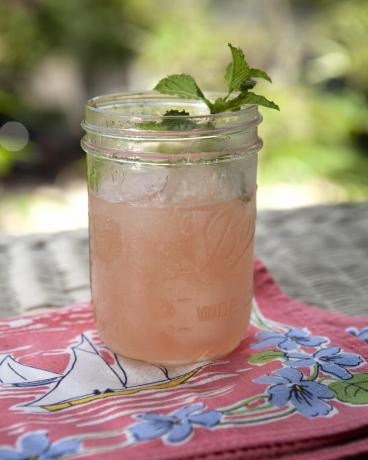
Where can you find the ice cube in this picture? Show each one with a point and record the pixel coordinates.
(135, 185)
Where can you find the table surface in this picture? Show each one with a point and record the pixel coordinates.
(318, 255)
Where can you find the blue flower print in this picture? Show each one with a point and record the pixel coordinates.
(330, 360)
(307, 396)
(37, 446)
(177, 426)
(288, 340)
(361, 334)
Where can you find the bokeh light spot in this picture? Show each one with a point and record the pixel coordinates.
(14, 136)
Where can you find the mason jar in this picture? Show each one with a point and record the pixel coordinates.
(172, 210)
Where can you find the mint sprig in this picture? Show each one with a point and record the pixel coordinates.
(239, 77)
(169, 122)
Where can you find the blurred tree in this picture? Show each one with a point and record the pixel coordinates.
(93, 34)
(315, 50)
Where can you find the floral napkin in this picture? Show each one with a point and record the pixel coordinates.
(296, 387)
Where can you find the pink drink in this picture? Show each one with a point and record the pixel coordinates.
(172, 284)
(172, 214)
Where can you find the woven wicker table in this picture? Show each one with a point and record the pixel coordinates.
(318, 255)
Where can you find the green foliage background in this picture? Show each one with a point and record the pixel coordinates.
(316, 51)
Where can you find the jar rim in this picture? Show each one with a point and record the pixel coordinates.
(106, 105)
(114, 127)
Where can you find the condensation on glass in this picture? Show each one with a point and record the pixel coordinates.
(172, 214)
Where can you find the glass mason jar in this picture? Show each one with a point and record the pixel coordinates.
(172, 209)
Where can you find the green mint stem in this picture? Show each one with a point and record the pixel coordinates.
(227, 96)
(208, 103)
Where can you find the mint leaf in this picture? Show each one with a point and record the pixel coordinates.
(180, 85)
(219, 105)
(228, 72)
(253, 98)
(237, 102)
(242, 99)
(257, 73)
(177, 124)
(238, 71)
(248, 84)
(175, 113)
(148, 125)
